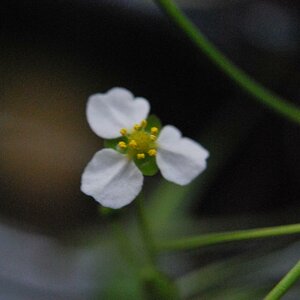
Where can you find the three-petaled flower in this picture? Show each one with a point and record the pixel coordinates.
(114, 176)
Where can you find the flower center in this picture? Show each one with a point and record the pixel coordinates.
(140, 141)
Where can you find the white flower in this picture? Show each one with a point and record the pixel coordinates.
(112, 177)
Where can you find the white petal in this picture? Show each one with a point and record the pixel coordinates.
(112, 179)
(108, 113)
(179, 159)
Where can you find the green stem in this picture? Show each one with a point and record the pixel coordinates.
(258, 91)
(124, 244)
(217, 238)
(285, 283)
(145, 231)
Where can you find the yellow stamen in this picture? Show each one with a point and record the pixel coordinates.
(152, 152)
(144, 123)
(154, 130)
(122, 145)
(139, 143)
(123, 131)
(132, 144)
(137, 127)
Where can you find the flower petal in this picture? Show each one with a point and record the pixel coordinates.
(179, 159)
(108, 113)
(112, 179)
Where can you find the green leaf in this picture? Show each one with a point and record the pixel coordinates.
(106, 212)
(113, 143)
(153, 121)
(147, 165)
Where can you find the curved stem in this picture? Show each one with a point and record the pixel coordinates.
(217, 238)
(145, 230)
(285, 283)
(258, 91)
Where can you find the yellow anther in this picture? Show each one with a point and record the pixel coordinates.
(122, 145)
(144, 123)
(152, 152)
(152, 137)
(132, 144)
(137, 127)
(154, 130)
(123, 131)
(140, 156)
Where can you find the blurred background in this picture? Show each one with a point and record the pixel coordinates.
(54, 244)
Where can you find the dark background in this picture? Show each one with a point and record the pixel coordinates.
(54, 54)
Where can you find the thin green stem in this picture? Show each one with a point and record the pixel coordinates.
(145, 231)
(258, 91)
(125, 247)
(217, 238)
(285, 283)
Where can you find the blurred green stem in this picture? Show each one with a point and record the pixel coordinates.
(217, 238)
(258, 91)
(145, 230)
(285, 283)
(125, 247)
